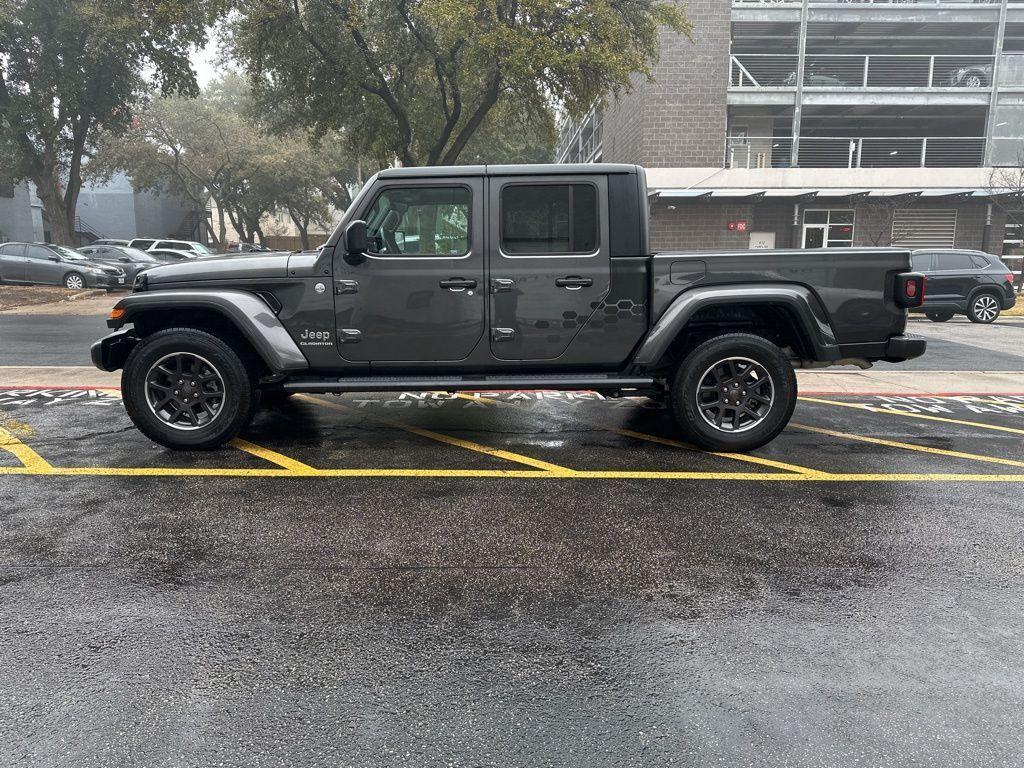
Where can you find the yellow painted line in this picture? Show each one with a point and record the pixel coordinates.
(517, 474)
(909, 446)
(27, 456)
(925, 416)
(677, 444)
(447, 439)
(737, 456)
(285, 462)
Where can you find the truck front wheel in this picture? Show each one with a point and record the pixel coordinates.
(187, 389)
(733, 393)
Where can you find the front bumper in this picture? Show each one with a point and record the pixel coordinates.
(110, 352)
(107, 281)
(905, 347)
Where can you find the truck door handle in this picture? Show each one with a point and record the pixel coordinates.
(574, 282)
(457, 284)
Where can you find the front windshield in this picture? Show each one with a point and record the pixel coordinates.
(69, 253)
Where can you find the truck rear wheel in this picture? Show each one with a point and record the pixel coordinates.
(187, 389)
(733, 393)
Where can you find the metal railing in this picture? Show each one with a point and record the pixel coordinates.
(856, 152)
(580, 141)
(762, 3)
(841, 71)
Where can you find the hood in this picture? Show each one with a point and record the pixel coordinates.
(226, 268)
(108, 269)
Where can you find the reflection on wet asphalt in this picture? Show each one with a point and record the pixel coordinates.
(183, 621)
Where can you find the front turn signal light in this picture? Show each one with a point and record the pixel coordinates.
(116, 313)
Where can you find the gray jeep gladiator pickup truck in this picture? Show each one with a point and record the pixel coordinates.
(504, 277)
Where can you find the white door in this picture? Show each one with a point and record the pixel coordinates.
(762, 240)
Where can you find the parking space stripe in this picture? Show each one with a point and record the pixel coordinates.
(447, 439)
(925, 416)
(737, 456)
(521, 474)
(677, 444)
(908, 446)
(273, 457)
(27, 456)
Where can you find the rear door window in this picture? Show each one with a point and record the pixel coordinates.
(948, 261)
(549, 219)
(13, 249)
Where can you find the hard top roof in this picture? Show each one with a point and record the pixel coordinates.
(539, 169)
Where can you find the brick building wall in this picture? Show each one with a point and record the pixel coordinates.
(679, 119)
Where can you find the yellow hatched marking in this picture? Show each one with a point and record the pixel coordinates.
(909, 446)
(924, 416)
(285, 462)
(469, 445)
(27, 456)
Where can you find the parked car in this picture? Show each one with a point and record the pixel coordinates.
(172, 255)
(975, 76)
(251, 248)
(971, 283)
(552, 285)
(131, 260)
(45, 264)
(109, 241)
(150, 244)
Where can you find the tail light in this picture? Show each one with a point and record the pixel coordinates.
(1009, 278)
(910, 288)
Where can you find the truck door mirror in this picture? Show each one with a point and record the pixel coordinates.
(355, 242)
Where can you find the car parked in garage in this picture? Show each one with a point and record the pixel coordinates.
(960, 282)
(46, 264)
(131, 260)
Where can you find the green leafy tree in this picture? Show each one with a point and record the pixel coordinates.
(416, 80)
(70, 68)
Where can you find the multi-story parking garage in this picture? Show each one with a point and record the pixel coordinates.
(814, 123)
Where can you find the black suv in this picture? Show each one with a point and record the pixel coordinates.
(969, 283)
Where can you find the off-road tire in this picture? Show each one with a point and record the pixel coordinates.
(239, 400)
(984, 308)
(763, 358)
(939, 317)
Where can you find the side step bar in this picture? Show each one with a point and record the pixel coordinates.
(467, 383)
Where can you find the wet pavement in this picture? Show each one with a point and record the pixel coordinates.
(514, 579)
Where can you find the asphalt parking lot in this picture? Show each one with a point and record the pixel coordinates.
(512, 579)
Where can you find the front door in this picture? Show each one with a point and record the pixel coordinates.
(419, 294)
(42, 267)
(549, 261)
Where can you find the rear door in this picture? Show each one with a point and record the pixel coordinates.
(952, 278)
(549, 262)
(12, 262)
(418, 296)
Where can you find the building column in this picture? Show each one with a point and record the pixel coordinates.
(798, 99)
(986, 236)
(997, 58)
(797, 242)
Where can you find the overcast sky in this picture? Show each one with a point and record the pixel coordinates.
(205, 61)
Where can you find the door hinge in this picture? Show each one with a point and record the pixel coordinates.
(345, 286)
(349, 336)
(502, 334)
(502, 285)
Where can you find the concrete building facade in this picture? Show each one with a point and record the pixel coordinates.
(817, 123)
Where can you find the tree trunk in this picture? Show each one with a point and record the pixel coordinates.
(303, 227)
(62, 221)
